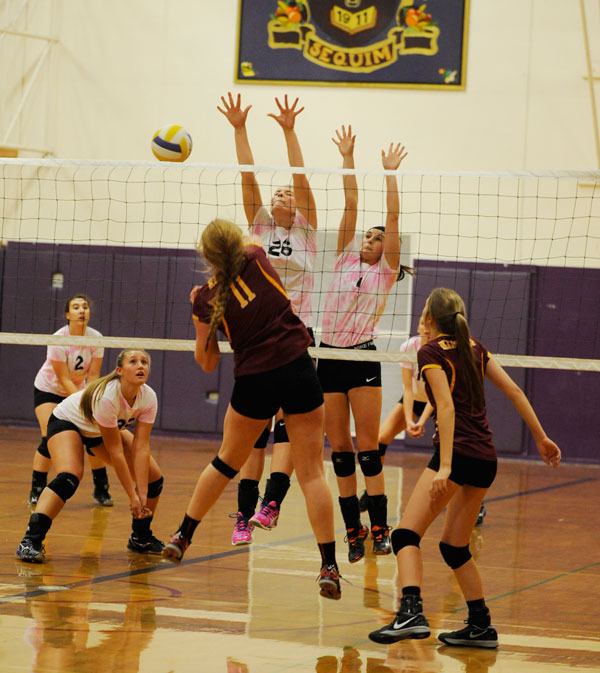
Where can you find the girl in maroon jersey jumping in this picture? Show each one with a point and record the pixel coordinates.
(460, 472)
(272, 369)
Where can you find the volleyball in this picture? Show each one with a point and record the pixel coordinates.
(171, 143)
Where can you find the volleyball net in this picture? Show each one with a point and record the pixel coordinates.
(522, 249)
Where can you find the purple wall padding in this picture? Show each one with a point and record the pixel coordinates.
(134, 292)
(145, 292)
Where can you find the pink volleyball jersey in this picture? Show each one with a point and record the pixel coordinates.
(77, 358)
(111, 410)
(412, 345)
(355, 299)
(292, 254)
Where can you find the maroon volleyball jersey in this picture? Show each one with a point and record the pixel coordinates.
(472, 434)
(259, 323)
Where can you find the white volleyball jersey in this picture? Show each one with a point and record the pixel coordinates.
(412, 345)
(111, 410)
(77, 358)
(356, 298)
(292, 254)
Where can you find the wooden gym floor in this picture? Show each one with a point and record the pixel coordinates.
(94, 607)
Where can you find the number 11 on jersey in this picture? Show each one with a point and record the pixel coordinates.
(250, 296)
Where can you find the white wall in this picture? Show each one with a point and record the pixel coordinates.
(124, 68)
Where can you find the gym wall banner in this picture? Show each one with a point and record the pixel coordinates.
(385, 43)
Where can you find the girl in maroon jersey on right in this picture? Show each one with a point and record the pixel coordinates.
(463, 467)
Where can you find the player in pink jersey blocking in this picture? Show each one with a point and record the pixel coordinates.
(463, 467)
(95, 420)
(273, 370)
(66, 370)
(288, 231)
(364, 274)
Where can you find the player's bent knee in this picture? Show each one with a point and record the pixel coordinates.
(222, 467)
(64, 485)
(370, 463)
(43, 448)
(344, 463)
(155, 487)
(280, 435)
(404, 537)
(262, 441)
(455, 557)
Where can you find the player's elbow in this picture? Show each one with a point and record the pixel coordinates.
(207, 362)
(514, 392)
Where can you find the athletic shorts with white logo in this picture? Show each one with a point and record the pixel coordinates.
(340, 376)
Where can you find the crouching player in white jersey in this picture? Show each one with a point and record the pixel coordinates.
(95, 419)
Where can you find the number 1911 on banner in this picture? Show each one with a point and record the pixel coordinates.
(394, 43)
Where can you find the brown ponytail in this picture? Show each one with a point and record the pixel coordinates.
(447, 310)
(222, 245)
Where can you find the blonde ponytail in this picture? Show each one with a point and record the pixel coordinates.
(223, 247)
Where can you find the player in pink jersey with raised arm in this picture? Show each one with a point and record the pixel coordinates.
(364, 273)
(66, 370)
(95, 420)
(287, 230)
(454, 365)
(273, 370)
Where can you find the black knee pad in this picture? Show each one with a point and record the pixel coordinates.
(223, 468)
(64, 485)
(261, 442)
(43, 448)
(344, 463)
(370, 463)
(455, 557)
(280, 434)
(155, 487)
(404, 537)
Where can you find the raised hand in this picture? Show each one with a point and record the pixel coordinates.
(345, 140)
(287, 115)
(393, 157)
(232, 109)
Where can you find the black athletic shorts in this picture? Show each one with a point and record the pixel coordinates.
(294, 388)
(465, 470)
(42, 397)
(418, 406)
(56, 425)
(340, 376)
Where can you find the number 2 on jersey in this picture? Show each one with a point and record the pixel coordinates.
(250, 296)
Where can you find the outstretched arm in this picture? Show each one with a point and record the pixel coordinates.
(232, 110)
(305, 201)
(548, 450)
(113, 444)
(391, 160)
(345, 144)
(445, 419)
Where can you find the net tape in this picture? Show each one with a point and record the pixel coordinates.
(530, 361)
